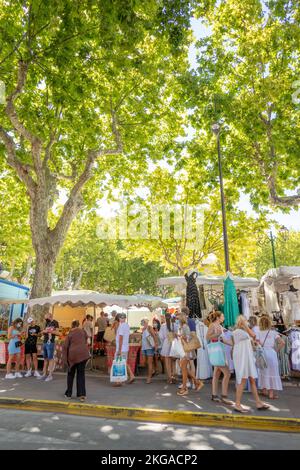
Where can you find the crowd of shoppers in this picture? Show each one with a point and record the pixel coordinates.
(157, 344)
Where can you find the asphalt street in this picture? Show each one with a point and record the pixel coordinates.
(47, 431)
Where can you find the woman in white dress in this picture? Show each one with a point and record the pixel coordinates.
(204, 368)
(244, 364)
(269, 379)
(166, 335)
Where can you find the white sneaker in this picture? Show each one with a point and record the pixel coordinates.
(49, 378)
(28, 373)
(10, 376)
(42, 377)
(36, 373)
(19, 375)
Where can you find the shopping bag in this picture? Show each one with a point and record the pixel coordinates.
(216, 354)
(177, 349)
(118, 371)
(193, 344)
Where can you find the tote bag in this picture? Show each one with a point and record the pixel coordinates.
(118, 371)
(216, 354)
(193, 344)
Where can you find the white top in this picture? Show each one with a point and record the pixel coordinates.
(269, 343)
(123, 330)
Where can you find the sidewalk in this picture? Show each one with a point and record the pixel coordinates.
(149, 399)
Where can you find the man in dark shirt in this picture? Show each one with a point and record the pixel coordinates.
(50, 331)
(31, 347)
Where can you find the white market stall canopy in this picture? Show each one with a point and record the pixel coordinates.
(180, 282)
(79, 298)
(282, 276)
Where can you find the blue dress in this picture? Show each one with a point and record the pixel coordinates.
(12, 344)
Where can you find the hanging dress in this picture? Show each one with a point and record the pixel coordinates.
(192, 295)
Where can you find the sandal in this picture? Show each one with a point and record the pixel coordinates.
(264, 407)
(216, 398)
(199, 385)
(240, 410)
(183, 392)
(224, 399)
(148, 381)
(131, 380)
(274, 397)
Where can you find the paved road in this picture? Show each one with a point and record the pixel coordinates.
(33, 430)
(157, 395)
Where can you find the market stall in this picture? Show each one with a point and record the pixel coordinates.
(87, 299)
(281, 288)
(211, 291)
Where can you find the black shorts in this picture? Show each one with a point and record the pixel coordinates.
(100, 336)
(30, 348)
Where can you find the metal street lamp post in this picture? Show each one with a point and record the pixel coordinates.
(284, 232)
(272, 240)
(216, 128)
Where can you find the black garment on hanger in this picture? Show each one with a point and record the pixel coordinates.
(239, 298)
(192, 295)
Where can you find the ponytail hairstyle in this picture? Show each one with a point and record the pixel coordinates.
(214, 315)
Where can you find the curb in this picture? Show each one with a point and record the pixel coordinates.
(156, 415)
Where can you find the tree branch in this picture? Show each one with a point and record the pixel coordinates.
(35, 142)
(21, 168)
(74, 203)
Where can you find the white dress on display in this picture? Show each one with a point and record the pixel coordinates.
(204, 368)
(243, 357)
(271, 298)
(294, 299)
(269, 378)
(254, 300)
(245, 305)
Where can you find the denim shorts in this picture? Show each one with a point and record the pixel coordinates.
(48, 351)
(148, 352)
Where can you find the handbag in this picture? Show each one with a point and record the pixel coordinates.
(193, 344)
(18, 344)
(216, 354)
(109, 334)
(260, 358)
(118, 371)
